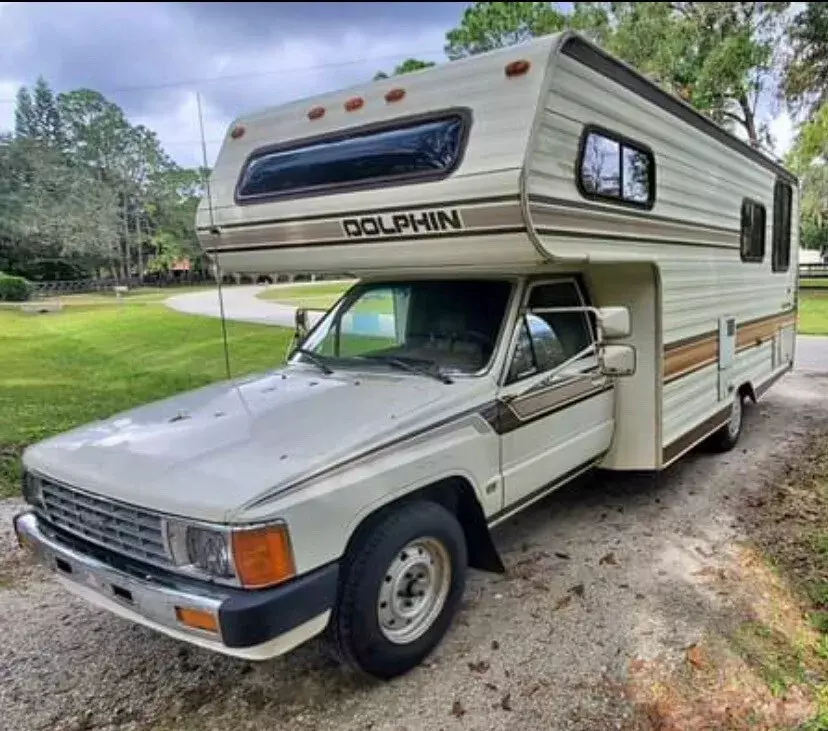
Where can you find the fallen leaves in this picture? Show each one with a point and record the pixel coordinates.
(562, 602)
(457, 709)
(479, 667)
(695, 656)
(608, 560)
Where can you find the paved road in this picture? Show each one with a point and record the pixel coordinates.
(812, 354)
(241, 303)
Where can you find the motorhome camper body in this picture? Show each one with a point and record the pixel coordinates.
(560, 266)
(702, 249)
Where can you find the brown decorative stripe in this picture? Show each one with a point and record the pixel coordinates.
(614, 211)
(369, 240)
(760, 331)
(568, 233)
(366, 212)
(507, 416)
(689, 358)
(687, 441)
(699, 351)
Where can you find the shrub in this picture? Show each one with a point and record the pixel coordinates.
(14, 289)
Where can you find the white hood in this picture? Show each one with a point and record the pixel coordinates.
(203, 453)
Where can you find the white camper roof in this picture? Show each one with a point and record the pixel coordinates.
(431, 169)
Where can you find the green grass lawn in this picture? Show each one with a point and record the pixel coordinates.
(813, 312)
(317, 296)
(814, 283)
(90, 361)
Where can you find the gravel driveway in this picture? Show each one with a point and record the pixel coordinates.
(601, 574)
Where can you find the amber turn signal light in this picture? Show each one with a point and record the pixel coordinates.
(263, 556)
(316, 113)
(517, 68)
(237, 132)
(197, 619)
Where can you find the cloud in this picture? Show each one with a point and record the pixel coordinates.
(150, 58)
(783, 131)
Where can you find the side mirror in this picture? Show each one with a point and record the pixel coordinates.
(614, 322)
(617, 360)
(301, 325)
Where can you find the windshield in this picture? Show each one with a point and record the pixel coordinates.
(449, 325)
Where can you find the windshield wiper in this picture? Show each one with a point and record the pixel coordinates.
(406, 365)
(315, 359)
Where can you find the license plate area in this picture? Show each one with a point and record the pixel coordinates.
(101, 584)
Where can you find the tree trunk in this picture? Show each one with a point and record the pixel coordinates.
(139, 246)
(749, 121)
(127, 250)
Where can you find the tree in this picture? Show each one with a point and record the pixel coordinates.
(487, 26)
(36, 115)
(716, 55)
(805, 85)
(406, 67)
(809, 158)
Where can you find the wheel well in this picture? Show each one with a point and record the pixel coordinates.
(457, 495)
(746, 390)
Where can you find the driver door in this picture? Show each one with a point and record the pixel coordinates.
(554, 422)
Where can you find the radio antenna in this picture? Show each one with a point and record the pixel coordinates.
(217, 268)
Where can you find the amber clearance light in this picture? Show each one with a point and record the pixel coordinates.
(263, 556)
(517, 68)
(237, 132)
(316, 113)
(354, 103)
(394, 95)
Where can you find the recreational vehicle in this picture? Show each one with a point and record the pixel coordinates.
(559, 267)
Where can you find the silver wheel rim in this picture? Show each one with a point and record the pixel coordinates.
(735, 423)
(414, 590)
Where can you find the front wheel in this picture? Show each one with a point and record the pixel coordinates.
(402, 583)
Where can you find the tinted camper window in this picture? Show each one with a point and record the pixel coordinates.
(427, 149)
(613, 168)
(753, 231)
(782, 202)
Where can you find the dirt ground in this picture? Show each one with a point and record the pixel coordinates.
(619, 592)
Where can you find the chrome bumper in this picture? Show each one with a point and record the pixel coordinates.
(255, 625)
(84, 574)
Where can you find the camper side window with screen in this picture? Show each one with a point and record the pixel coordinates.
(548, 339)
(782, 202)
(753, 231)
(616, 169)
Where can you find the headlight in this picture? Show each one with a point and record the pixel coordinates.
(31, 488)
(251, 557)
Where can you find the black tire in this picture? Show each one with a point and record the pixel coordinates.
(355, 628)
(728, 436)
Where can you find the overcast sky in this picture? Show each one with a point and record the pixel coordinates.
(150, 58)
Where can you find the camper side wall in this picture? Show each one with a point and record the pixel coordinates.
(690, 204)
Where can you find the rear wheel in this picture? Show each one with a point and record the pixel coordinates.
(402, 583)
(728, 436)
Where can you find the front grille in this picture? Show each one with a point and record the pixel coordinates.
(123, 528)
